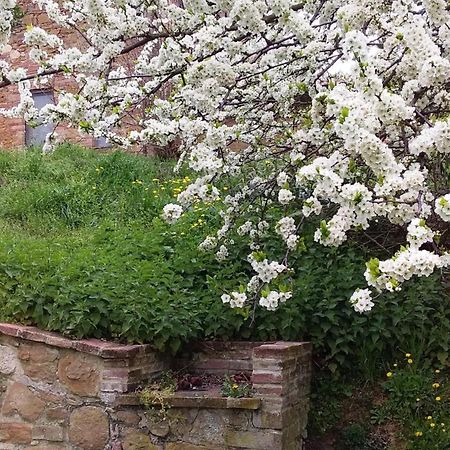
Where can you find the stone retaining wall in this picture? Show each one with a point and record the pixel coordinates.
(61, 394)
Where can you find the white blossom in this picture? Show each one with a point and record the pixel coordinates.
(361, 300)
(172, 212)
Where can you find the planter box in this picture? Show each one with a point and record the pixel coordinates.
(61, 394)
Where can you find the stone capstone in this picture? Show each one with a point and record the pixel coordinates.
(89, 428)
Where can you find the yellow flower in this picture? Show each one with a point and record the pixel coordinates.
(417, 399)
(418, 433)
(438, 399)
(442, 424)
(429, 418)
(436, 385)
(389, 374)
(408, 355)
(437, 371)
(235, 386)
(410, 361)
(432, 424)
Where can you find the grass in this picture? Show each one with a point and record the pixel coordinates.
(75, 189)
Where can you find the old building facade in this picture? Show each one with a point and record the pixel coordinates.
(14, 132)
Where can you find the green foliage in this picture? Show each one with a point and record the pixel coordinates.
(155, 398)
(231, 388)
(353, 437)
(84, 252)
(327, 397)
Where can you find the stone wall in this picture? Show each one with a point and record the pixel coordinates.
(61, 394)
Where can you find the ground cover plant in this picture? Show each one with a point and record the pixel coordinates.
(407, 407)
(85, 252)
(335, 111)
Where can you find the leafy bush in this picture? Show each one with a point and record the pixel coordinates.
(84, 252)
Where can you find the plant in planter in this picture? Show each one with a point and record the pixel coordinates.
(237, 386)
(154, 398)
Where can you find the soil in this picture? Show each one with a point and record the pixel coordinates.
(204, 382)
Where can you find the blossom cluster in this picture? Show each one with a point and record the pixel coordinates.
(332, 113)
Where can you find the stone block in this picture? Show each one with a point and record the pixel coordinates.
(186, 446)
(89, 428)
(19, 399)
(80, 373)
(57, 414)
(135, 440)
(209, 427)
(128, 417)
(52, 433)
(255, 439)
(268, 419)
(8, 360)
(15, 433)
(159, 429)
(59, 446)
(39, 361)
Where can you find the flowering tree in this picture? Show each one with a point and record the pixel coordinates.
(337, 112)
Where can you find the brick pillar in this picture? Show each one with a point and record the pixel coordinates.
(281, 377)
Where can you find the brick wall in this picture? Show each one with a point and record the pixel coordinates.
(13, 130)
(61, 394)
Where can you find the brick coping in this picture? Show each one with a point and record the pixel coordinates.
(114, 350)
(210, 399)
(96, 347)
